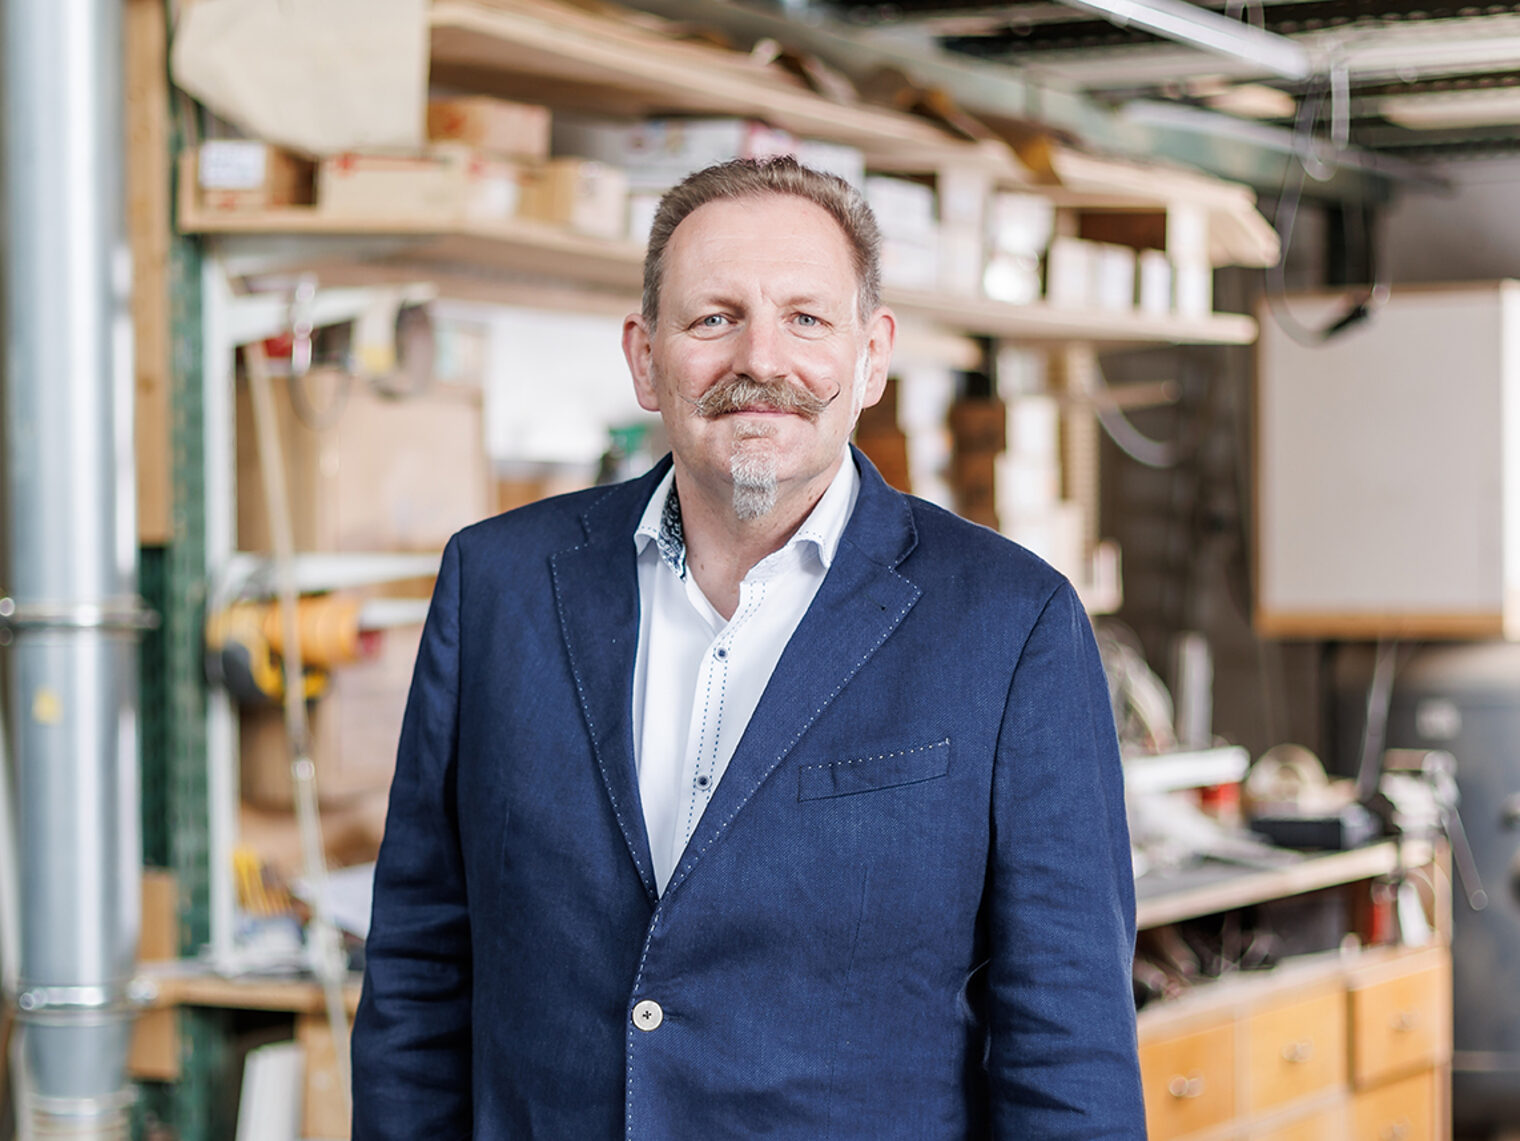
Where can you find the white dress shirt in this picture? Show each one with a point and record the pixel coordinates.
(697, 678)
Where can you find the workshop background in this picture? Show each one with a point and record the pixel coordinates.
(1210, 305)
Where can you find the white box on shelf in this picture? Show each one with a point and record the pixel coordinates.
(848, 162)
(1192, 288)
(1012, 278)
(1069, 272)
(643, 205)
(909, 264)
(1027, 485)
(1020, 223)
(1113, 277)
(1054, 533)
(960, 259)
(1154, 288)
(1187, 231)
(903, 208)
(1034, 426)
(963, 195)
(658, 153)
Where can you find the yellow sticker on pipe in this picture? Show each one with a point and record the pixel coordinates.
(47, 707)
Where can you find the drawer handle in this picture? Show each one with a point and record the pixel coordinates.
(1405, 1021)
(1184, 1089)
(1296, 1052)
(1398, 1131)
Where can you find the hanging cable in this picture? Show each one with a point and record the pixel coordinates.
(1302, 164)
(328, 959)
(1127, 438)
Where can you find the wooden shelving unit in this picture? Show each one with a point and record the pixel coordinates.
(478, 253)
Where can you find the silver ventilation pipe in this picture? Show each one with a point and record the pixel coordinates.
(73, 614)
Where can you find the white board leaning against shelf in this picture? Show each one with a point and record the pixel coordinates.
(1388, 468)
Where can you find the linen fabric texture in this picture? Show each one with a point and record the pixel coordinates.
(907, 912)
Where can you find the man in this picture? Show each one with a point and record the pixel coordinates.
(752, 798)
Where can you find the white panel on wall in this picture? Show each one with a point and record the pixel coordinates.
(556, 382)
(1382, 463)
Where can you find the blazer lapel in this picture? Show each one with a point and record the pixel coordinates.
(596, 589)
(862, 601)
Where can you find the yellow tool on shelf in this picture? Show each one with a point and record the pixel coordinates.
(244, 643)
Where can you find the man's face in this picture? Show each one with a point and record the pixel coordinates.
(760, 363)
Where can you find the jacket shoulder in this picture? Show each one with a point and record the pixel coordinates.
(985, 561)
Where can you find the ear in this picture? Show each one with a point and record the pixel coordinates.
(638, 352)
(880, 337)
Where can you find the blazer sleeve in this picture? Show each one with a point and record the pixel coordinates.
(1062, 1060)
(411, 1037)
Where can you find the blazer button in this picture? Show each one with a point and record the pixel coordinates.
(647, 1015)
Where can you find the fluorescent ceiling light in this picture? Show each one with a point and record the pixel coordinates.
(1190, 24)
(1452, 109)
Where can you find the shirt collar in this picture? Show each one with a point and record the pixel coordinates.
(823, 527)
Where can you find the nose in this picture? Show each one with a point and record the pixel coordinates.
(759, 352)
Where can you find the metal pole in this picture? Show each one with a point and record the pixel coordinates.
(73, 613)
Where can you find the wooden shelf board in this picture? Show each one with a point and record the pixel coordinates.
(527, 48)
(181, 983)
(1045, 322)
(1208, 891)
(458, 251)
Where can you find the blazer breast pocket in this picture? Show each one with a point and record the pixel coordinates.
(878, 771)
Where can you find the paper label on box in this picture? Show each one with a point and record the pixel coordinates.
(232, 164)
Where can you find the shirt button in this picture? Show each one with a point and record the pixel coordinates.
(722, 653)
(702, 782)
(647, 1015)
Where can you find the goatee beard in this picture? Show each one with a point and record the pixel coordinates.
(754, 475)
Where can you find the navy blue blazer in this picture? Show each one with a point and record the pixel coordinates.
(907, 912)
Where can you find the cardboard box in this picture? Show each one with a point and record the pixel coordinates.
(887, 448)
(447, 183)
(584, 195)
(979, 425)
(243, 175)
(385, 474)
(355, 727)
(658, 153)
(973, 480)
(495, 126)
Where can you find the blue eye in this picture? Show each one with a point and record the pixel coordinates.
(713, 320)
(806, 319)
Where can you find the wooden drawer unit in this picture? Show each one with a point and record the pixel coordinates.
(1189, 1081)
(1400, 1017)
(1323, 1125)
(1295, 1049)
(1404, 1110)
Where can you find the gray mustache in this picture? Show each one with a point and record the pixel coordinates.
(741, 392)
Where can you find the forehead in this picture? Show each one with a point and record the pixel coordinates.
(771, 239)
